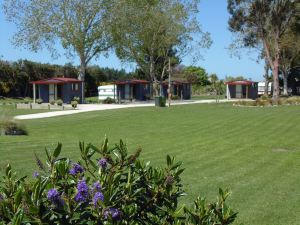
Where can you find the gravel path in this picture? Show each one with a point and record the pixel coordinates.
(99, 107)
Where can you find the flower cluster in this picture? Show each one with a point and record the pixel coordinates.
(98, 197)
(97, 186)
(82, 191)
(76, 169)
(114, 213)
(54, 197)
(36, 174)
(103, 163)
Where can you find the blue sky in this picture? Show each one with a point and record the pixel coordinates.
(213, 17)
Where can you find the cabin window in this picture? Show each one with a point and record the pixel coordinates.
(75, 87)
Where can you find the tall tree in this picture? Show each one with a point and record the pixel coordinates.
(79, 25)
(262, 23)
(199, 73)
(290, 50)
(147, 32)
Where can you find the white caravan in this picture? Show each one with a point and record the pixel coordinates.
(261, 88)
(106, 91)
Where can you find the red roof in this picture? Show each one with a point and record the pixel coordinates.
(132, 82)
(241, 82)
(57, 80)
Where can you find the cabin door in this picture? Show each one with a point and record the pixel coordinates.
(52, 92)
(127, 91)
(238, 91)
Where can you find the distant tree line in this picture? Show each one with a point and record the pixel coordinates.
(15, 77)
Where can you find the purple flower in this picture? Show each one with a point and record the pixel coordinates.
(102, 163)
(36, 174)
(82, 191)
(76, 169)
(54, 197)
(98, 197)
(1, 197)
(97, 186)
(114, 213)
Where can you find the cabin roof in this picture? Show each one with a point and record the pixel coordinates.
(57, 80)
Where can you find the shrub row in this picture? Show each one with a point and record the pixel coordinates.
(266, 101)
(106, 186)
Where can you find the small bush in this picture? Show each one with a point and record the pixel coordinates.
(10, 127)
(264, 97)
(52, 102)
(39, 101)
(27, 100)
(261, 102)
(175, 97)
(59, 102)
(107, 186)
(108, 100)
(77, 99)
(74, 104)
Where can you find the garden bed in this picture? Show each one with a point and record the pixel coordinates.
(44, 106)
(268, 102)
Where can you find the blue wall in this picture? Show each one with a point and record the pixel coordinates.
(177, 90)
(67, 94)
(140, 91)
(44, 92)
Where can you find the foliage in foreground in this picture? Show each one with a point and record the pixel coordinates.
(107, 186)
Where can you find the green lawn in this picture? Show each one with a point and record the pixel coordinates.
(253, 151)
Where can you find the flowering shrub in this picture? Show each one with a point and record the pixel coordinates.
(107, 186)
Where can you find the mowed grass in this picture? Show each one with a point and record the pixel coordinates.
(253, 151)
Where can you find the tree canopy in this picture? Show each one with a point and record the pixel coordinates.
(149, 32)
(80, 26)
(261, 24)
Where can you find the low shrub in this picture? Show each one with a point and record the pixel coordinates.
(39, 101)
(52, 102)
(27, 100)
(11, 127)
(107, 186)
(261, 102)
(92, 100)
(74, 104)
(77, 99)
(59, 102)
(108, 100)
(175, 97)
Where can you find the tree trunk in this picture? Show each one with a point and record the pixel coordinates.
(274, 64)
(81, 76)
(156, 87)
(275, 70)
(266, 89)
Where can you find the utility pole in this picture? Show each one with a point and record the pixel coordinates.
(169, 90)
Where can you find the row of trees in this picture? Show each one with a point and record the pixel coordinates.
(147, 33)
(272, 27)
(15, 77)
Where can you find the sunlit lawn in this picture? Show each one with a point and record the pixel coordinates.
(253, 151)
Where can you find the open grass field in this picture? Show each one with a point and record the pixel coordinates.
(253, 151)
